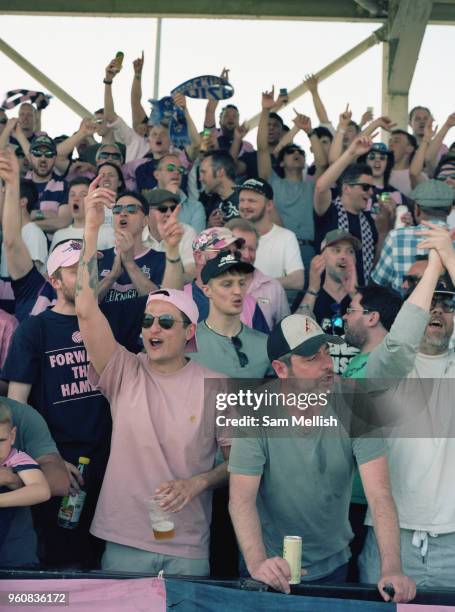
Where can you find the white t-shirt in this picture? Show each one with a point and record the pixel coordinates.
(278, 253)
(36, 243)
(185, 246)
(421, 468)
(106, 237)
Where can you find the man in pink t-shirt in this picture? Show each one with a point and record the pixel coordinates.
(164, 437)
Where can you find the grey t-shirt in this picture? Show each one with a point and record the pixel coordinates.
(305, 489)
(294, 202)
(34, 438)
(218, 353)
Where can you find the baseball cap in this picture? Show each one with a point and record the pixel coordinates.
(337, 235)
(156, 197)
(445, 286)
(43, 141)
(215, 238)
(64, 255)
(221, 264)
(298, 334)
(433, 194)
(379, 147)
(259, 186)
(184, 302)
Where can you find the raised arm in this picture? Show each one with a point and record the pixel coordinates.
(418, 160)
(336, 148)
(171, 232)
(381, 122)
(86, 129)
(264, 162)
(112, 69)
(137, 110)
(96, 332)
(124, 244)
(431, 156)
(322, 193)
(193, 148)
(302, 122)
(17, 255)
(312, 82)
(438, 237)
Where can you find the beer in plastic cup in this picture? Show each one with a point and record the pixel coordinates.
(161, 520)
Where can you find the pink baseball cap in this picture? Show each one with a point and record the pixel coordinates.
(184, 303)
(64, 255)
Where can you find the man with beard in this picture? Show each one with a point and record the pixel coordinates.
(420, 467)
(47, 367)
(278, 253)
(217, 173)
(329, 302)
(52, 211)
(169, 174)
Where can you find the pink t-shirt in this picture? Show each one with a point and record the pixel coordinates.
(18, 461)
(163, 429)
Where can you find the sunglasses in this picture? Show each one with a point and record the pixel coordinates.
(447, 305)
(373, 156)
(106, 155)
(173, 168)
(164, 209)
(165, 321)
(48, 154)
(411, 279)
(131, 209)
(243, 358)
(365, 186)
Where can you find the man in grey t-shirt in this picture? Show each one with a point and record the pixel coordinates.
(301, 484)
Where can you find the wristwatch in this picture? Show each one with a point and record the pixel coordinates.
(173, 261)
(106, 82)
(311, 292)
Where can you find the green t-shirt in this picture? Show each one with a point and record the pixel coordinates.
(218, 353)
(305, 489)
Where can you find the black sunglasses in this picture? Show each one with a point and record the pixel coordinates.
(106, 155)
(117, 209)
(243, 358)
(412, 279)
(365, 186)
(48, 154)
(447, 305)
(164, 209)
(165, 321)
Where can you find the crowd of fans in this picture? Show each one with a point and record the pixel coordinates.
(134, 271)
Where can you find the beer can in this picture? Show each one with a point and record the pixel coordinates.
(292, 552)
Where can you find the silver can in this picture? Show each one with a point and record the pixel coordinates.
(292, 552)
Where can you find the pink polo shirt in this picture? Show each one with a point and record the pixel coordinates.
(271, 297)
(162, 430)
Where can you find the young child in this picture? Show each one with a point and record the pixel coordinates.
(35, 489)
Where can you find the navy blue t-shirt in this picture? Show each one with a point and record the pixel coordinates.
(151, 263)
(203, 304)
(34, 295)
(47, 352)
